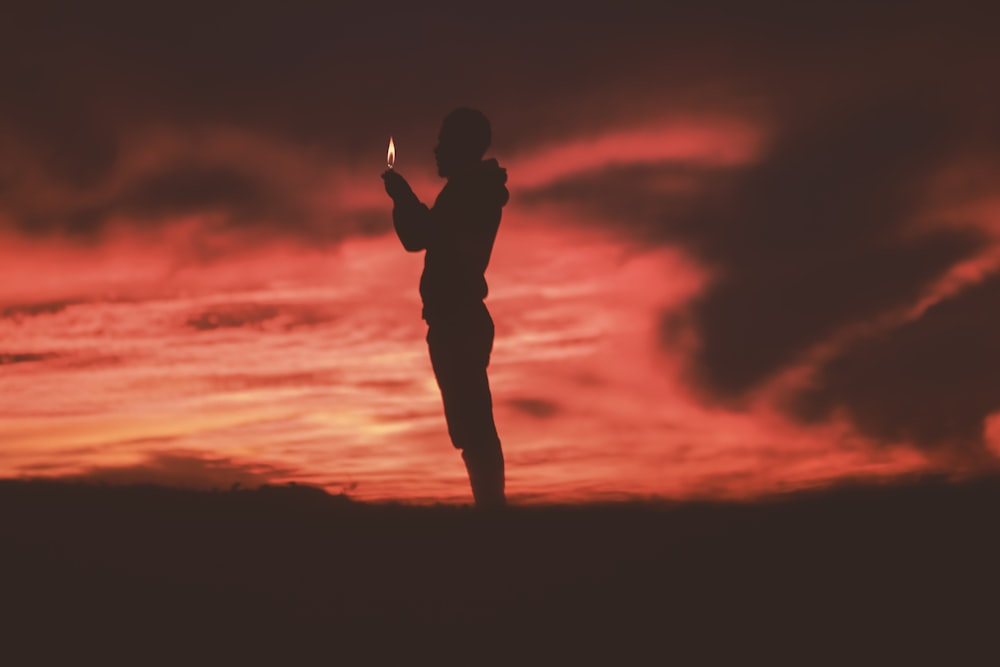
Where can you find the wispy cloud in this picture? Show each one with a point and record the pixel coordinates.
(188, 470)
(7, 358)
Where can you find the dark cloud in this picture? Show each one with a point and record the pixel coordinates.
(233, 317)
(78, 360)
(536, 407)
(185, 189)
(757, 322)
(9, 358)
(34, 468)
(386, 384)
(332, 80)
(88, 360)
(814, 236)
(361, 222)
(932, 381)
(81, 156)
(257, 315)
(188, 470)
(21, 311)
(643, 201)
(820, 232)
(819, 236)
(238, 194)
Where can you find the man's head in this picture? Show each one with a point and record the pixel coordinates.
(465, 136)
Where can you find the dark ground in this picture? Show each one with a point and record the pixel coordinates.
(286, 575)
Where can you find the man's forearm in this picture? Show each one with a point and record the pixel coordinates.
(410, 218)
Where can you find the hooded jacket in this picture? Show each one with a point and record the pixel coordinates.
(458, 235)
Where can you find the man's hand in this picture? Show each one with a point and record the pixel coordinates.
(396, 186)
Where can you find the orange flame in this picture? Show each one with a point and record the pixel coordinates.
(390, 156)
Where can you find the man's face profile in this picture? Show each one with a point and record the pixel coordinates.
(458, 148)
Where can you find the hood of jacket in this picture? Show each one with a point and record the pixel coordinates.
(486, 181)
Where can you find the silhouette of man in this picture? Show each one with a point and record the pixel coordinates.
(457, 234)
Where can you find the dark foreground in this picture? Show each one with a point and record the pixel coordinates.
(141, 575)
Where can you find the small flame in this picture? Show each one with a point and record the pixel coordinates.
(390, 156)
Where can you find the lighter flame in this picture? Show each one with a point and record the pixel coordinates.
(390, 156)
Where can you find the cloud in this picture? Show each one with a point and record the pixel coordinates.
(119, 112)
(188, 470)
(139, 116)
(811, 237)
(233, 317)
(22, 357)
(257, 315)
(223, 180)
(247, 381)
(830, 225)
(536, 407)
(689, 142)
(19, 312)
(932, 381)
(183, 189)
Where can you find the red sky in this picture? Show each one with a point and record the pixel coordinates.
(745, 251)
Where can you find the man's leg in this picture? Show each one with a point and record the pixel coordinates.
(481, 452)
(486, 476)
(460, 355)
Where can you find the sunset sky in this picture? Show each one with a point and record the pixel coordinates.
(747, 249)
